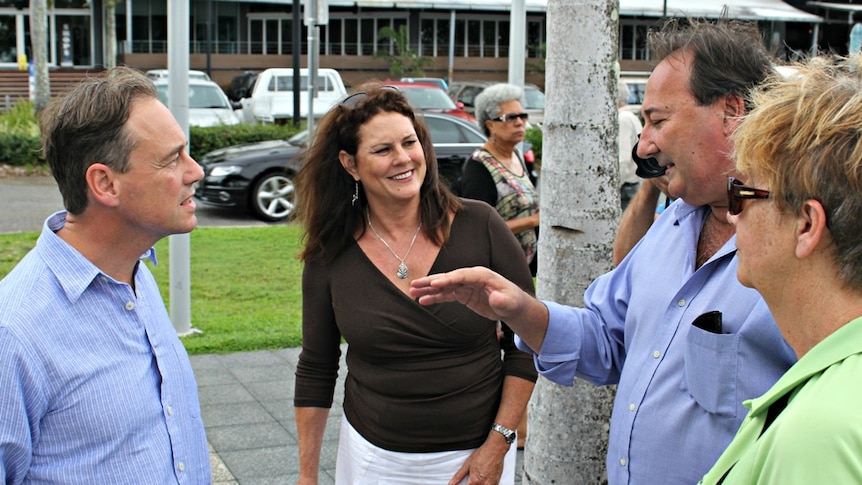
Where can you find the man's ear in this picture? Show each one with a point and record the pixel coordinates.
(348, 161)
(734, 109)
(811, 228)
(103, 184)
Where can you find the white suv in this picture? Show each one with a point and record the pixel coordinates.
(271, 100)
(208, 104)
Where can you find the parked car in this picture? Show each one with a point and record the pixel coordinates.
(637, 85)
(163, 74)
(465, 92)
(430, 98)
(208, 104)
(271, 99)
(258, 177)
(241, 85)
(437, 81)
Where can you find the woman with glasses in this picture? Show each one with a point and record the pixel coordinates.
(496, 174)
(428, 397)
(798, 220)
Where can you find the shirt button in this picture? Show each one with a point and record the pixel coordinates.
(130, 305)
(170, 411)
(656, 354)
(681, 302)
(622, 462)
(632, 407)
(181, 466)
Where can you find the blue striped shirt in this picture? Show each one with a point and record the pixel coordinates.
(95, 386)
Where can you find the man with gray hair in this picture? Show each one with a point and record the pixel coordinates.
(671, 326)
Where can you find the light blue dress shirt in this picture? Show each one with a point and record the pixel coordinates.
(95, 386)
(680, 389)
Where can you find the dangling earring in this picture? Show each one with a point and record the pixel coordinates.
(355, 193)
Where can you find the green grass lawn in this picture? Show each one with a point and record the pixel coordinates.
(245, 285)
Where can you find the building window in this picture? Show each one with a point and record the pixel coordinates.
(72, 40)
(442, 37)
(489, 39)
(535, 37)
(633, 42)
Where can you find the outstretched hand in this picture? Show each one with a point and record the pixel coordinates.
(488, 294)
(480, 289)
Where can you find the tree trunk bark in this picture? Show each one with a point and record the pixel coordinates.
(580, 207)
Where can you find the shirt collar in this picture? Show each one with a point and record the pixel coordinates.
(73, 271)
(681, 211)
(841, 344)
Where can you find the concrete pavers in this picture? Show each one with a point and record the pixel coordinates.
(247, 407)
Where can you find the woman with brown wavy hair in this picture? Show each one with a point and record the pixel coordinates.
(428, 397)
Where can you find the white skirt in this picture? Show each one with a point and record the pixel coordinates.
(361, 463)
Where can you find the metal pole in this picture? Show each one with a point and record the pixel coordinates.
(451, 47)
(312, 62)
(209, 37)
(517, 42)
(128, 41)
(297, 57)
(178, 102)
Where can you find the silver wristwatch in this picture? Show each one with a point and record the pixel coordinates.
(506, 432)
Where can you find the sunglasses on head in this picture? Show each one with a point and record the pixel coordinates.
(510, 117)
(353, 99)
(737, 193)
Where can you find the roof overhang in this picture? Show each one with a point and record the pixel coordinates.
(775, 10)
(846, 7)
(764, 10)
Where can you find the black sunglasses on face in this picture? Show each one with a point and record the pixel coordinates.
(737, 193)
(353, 99)
(510, 117)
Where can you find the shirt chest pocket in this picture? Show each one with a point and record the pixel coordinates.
(711, 371)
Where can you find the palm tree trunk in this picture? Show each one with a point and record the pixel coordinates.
(568, 427)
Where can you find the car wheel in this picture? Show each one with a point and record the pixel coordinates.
(272, 198)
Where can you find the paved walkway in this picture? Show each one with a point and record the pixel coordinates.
(247, 408)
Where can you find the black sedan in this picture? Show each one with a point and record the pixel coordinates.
(258, 177)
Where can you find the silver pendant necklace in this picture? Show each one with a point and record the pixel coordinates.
(402, 268)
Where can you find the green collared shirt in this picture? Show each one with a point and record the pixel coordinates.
(817, 438)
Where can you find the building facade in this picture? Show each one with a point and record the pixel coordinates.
(464, 39)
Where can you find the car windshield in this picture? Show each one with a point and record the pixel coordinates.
(200, 96)
(428, 98)
(535, 99)
(448, 131)
(299, 139)
(284, 82)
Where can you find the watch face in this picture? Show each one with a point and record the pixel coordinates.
(507, 433)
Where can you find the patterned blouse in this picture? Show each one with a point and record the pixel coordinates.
(516, 196)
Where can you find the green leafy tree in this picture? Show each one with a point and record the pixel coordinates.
(405, 61)
(539, 65)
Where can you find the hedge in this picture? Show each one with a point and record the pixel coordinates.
(20, 146)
